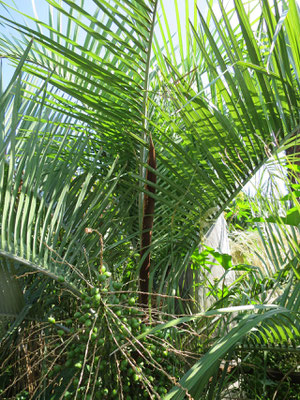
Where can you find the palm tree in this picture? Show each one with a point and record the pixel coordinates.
(104, 87)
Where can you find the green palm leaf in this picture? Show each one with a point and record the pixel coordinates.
(210, 138)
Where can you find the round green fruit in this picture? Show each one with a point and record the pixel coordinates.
(123, 297)
(117, 285)
(97, 299)
(94, 291)
(131, 301)
(123, 365)
(102, 278)
(136, 377)
(88, 323)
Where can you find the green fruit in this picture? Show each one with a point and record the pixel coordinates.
(61, 279)
(123, 365)
(131, 301)
(60, 332)
(115, 300)
(125, 329)
(101, 342)
(102, 278)
(162, 390)
(88, 323)
(51, 320)
(152, 347)
(135, 323)
(117, 285)
(94, 291)
(136, 377)
(123, 297)
(108, 274)
(97, 298)
(78, 365)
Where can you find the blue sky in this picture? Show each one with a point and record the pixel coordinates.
(40, 10)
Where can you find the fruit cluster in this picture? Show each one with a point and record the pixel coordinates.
(104, 358)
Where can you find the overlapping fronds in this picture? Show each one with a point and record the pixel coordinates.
(216, 107)
(47, 199)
